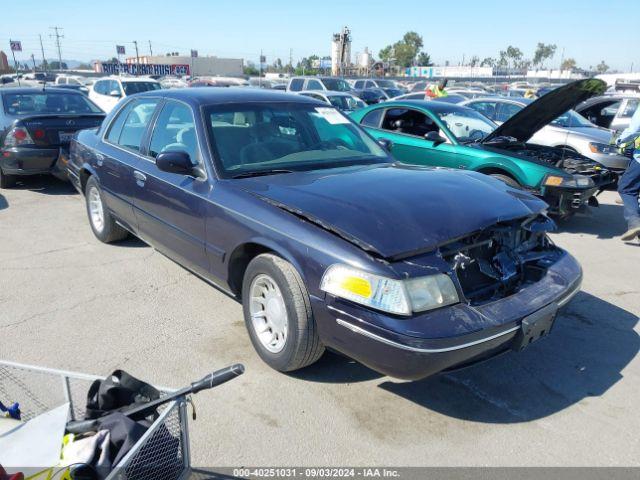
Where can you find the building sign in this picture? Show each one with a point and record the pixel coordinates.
(120, 49)
(144, 69)
(194, 53)
(16, 46)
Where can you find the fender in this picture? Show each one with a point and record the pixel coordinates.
(504, 164)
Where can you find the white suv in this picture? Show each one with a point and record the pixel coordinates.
(107, 92)
(299, 84)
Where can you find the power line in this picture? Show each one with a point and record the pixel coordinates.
(58, 37)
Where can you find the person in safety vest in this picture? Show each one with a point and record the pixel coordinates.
(438, 90)
(629, 183)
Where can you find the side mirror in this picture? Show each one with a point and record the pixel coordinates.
(385, 143)
(434, 137)
(175, 162)
(115, 93)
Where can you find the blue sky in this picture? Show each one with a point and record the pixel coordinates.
(587, 30)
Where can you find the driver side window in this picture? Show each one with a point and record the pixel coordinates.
(408, 122)
(175, 131)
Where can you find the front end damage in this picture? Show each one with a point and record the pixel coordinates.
(511, 279)
(501, 260)
(571, 195)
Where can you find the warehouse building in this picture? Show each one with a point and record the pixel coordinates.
(200, 66)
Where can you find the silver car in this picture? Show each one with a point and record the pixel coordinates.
(341, 100)
(569, 130)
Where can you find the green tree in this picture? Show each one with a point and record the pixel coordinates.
(474, 61)
(386, 53)
(543, 52)
(514, 55)
(602, 67)
(568, 64)
(404, 52)
(424, 59)
(488, 62)
(250, 69)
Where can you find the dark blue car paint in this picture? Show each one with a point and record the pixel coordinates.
(384, 218)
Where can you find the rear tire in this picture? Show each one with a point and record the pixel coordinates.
(271, 288)
(102, 223)
(507, 179)
(7, 181)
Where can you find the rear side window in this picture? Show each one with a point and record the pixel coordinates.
(506, 111)
(116, 126)
(630, 108)
(101, 87)
(488, 109)
(136, 123)
(372, 119)
(359, 84)
(314, 85)
(175, 131)
(296, 84)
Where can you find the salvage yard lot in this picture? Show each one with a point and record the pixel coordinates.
(68, 301)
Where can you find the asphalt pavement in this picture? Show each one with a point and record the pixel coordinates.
(68, 301)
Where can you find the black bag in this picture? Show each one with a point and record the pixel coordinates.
(116, 392)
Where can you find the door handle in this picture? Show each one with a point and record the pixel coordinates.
(140, 178)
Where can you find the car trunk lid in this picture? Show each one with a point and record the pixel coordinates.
(57, 130)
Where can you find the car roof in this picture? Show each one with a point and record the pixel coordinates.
(521, 100)
(20, 90)
(328, 93)
(431, 105)
(210, 95)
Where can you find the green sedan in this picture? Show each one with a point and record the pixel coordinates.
(446, 135)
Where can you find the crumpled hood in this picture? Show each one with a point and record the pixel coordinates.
(524, 124)
(395, 210)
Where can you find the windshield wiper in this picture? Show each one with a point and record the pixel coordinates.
(259, 173)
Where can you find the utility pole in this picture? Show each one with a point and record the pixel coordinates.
(44, 60)
(58, 37)
(260, 77)
(150, 49)
(291, 61)
(135, 42)
(33, 59)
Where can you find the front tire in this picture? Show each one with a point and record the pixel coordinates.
(102, 223)
(278, 314)
(7, 181)
(507, 179)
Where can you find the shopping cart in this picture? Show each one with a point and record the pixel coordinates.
(162, 452)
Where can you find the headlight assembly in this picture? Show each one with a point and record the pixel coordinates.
(603, 148)
(400, 297)
(575, 181)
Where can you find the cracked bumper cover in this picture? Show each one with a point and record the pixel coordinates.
(492, 327)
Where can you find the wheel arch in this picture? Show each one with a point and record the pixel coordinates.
(85, 172)
(242, 254)
(502, 168)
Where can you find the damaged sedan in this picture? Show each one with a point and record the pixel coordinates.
(446, 135)
(286, 204)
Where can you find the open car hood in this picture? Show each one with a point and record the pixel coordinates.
(392, 210)
(524, 124)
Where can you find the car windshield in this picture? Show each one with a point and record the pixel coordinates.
(571, 119)
(393, 92)
(138, 87)
(44, 103)
(467, 125)
(344, 102)
(336, 84)
(386, 84)
(255, 138)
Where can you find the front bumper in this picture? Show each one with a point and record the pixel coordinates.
(567, 201)
(615, 163)
(356, 332)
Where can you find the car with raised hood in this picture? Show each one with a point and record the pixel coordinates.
(289, 206)
(36, 126)
(570, 131)
(447, 135)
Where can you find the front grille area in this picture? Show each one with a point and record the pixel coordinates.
(500, 260)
